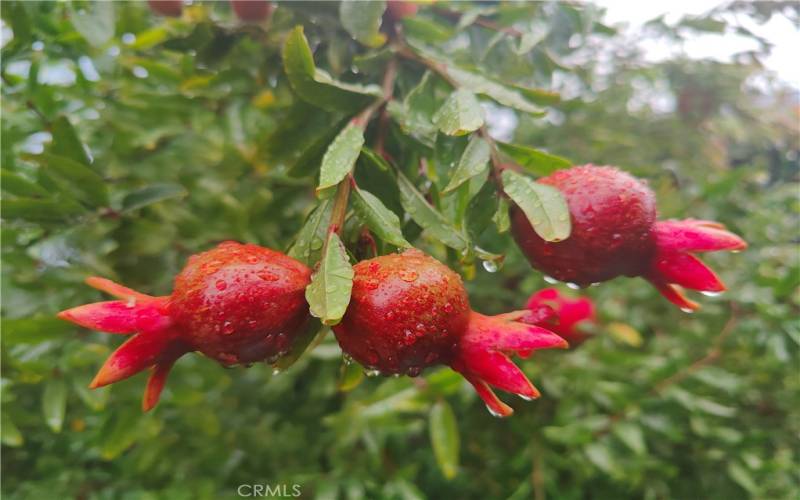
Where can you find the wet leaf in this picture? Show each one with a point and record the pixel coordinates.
(535, 161)
(460, 114)
(544, 206)
(340, 156)
(428, 217)
(382, 221)
(473, 162)
(329, 291)
(363, 21)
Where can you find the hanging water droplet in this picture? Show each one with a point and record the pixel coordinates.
(594, 284)
(687, 310)
(276, 371)
(490, 266)
(372, 373)
(227, 328)
(131, 303)
(524, 397)
(493, 413)
(347, 359)
(228, 358)
(736, 251)
(573, 286)
(550, 279)
(221, 285)
(711, 294)
(414, 371)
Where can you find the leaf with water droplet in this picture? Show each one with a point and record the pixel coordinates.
(473, 161)
(308, 242)
(379, 219)
(428, 217)
(340, 156)
(535, 161)
(544, 206)
(328, 294)
(363, 21)
(460, 114)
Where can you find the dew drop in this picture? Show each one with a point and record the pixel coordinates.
(736, 251)
(494, 413)
(524, 397)
(276, 371)
(228, 358)
(616, 236)
(390, 316)
(347, 359)
(550, 279)
(711, 294)
(267, 276)
(573, 286)
(372, 373)
(490, 266)
(409, 337)
(414, 371)
(371, 284)
(221, 285)
(448, 308)
(409, 276)
(687, 310)
(227, 328)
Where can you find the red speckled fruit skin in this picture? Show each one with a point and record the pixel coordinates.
(407, 312)
(612, 218)
(399, 9)
(251, 10)
(240, 303)
(171, 8)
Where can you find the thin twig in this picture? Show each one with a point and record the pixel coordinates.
(481, 21)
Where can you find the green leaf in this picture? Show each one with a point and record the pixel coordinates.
(33, 330)
(498, 92)
(314, 85)
(429, 218)
(544, 206)
(311, 238)
(153, 193)
(415, 115)
(76, 178)
(599, 455)
(66, 142)
(444, 438)
(632, 435)
(350, 376)
(500, 217)
(743, 478)
(329, 292)
(18, 185)
(427, 30)
(473, 162)
(9, 432)
(533, 160)
(40, 210)
(120, 436)
(363, 21)
(54, 403)
(340, 157)
(460, 114)
(379, 219)
(94, 21)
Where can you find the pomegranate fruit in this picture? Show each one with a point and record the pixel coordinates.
(170, 8)
(409, 311)
(615, 232)
(399, 9)
(252, 11)
(237, 304)
(566, 314)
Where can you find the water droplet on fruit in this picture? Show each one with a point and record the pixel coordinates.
(371, 284)
(221, 285)
(414, 371)
(616, 236)
(490, 266)
(252, 259)
(711, 294)
(390, 316)
(448, 308)
(550, 279)
(409, 337)
(409, 276)
(268, 276)
(573, 286)
(227, 328)
(372, 373)
(131, 303)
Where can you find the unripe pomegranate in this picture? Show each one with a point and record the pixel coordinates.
(615, 233)
(253, 11)
(566, 314)
(409, 311)
(237, 304)
(170, 8)
(399, 9)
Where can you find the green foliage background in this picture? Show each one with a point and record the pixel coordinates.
(131, 141)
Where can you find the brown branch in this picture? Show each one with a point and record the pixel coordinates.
(480, 21)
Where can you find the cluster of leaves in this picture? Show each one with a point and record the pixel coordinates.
(131, 142)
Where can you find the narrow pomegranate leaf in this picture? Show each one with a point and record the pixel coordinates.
(460, 114)
(379, 219)
(544, 206)
(308, 242)
(54, 404)
(535, 161)
(316, 86)
(474, 161)
(445, 439)
(363, 21)
(151, 194)
(329, 292)
(9, 432)
(428, 217)
(340, 156)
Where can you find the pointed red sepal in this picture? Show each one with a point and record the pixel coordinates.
(674, 294)
(687, 271)
(117, 290)
(158, 376)
(567, 314)
(117, 316)
(483, 356)
(138, 353)
(693, 235)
